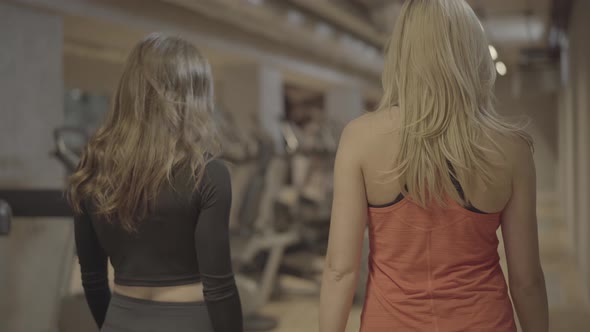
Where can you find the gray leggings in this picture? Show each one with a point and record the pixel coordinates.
(127, 314)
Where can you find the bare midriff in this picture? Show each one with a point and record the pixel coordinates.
(182, 293)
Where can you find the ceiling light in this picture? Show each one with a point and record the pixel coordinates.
(493, 52)
(256, 2)
(501, 68)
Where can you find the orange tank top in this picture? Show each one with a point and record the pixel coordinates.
(435, 270)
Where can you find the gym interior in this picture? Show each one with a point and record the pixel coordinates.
(289, 74)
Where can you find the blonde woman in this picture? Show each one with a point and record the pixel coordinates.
(149, 195)
(434, 172)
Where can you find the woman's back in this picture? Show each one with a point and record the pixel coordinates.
(379, 132)
(149, 196)
(462, 171)
(165, 249)
(434, 268)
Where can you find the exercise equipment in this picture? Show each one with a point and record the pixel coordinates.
(66, 152)
(259, 241)
(257, 246)
(307, 200)
(241, 151)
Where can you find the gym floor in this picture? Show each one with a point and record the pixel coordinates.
(299, 313)
(299, 310)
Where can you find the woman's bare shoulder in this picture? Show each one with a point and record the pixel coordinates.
(374, 123)
(515, 149)
(370, 131)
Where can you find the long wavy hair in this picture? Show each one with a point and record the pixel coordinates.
(161, 120)
(439, 71)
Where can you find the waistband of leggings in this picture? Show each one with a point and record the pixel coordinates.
(124, 299)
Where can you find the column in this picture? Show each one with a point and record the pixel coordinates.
(567, 167)
(254, 93)
(34, 257)
(582, 154)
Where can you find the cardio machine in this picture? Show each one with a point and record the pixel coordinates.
(257, 246)
(306, 202)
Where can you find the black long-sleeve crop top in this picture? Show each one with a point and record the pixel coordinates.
(184, 240)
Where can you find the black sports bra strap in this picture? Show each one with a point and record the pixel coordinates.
(455, 181)
(460, 191)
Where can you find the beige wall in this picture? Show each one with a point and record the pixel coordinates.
(519, 97)
(576, 121)
(253, 92)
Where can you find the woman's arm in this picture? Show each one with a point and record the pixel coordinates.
(213, 251)
(349, 217)
(93, 264)
(519, 229)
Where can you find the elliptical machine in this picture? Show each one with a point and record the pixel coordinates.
(257, 246)
(307, 200)
(67, 155)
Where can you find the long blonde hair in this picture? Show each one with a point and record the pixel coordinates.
(439, 71)
(161, 119)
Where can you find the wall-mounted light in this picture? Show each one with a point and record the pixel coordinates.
(493, 52)
(501, 68)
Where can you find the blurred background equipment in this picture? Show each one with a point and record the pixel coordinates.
(5, 218)
(289, 75)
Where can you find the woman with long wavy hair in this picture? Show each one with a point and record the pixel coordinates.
(434, 173)
(150, 196)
